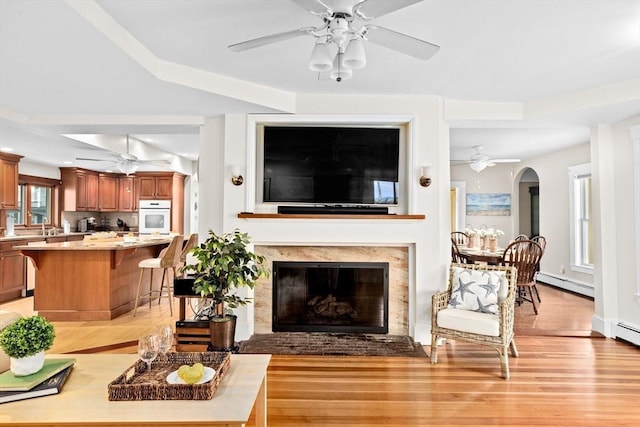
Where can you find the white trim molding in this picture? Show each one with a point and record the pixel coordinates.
(567, 283)
(635, 142)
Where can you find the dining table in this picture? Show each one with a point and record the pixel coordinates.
(477, 255)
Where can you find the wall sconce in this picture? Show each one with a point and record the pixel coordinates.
(236, 176)
(425, 178)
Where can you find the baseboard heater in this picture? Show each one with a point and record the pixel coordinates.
(628, 332)
(334, 210)
(566, 283)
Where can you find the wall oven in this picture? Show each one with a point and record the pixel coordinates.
(155, 216)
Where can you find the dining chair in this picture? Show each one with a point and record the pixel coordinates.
(456, 256)
(477, 307)
(542, 241)
(521, 237)
(524, 255)
(168, 260)
(460, 237)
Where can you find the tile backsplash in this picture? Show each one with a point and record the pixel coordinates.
(104, 220)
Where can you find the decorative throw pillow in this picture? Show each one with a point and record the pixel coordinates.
(475, 290)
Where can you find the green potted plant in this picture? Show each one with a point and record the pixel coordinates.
(25, 342)
(224, 263)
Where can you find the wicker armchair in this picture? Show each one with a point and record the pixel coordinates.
(492, 330)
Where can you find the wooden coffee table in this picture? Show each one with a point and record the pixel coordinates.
(84, 398)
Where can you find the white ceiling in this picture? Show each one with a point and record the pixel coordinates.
(155, 69)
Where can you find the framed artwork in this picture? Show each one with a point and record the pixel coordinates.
(489, 204)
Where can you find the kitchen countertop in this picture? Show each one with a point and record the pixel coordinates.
(99, 246)
(34, 236)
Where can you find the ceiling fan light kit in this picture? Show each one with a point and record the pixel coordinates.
(339, 72)
(342, 34)
(127, 166)
(321, 59)
(478, 166)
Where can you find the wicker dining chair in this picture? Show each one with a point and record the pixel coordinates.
(525, 256)
(480, 325)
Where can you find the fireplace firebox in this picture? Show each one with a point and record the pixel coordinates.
(330, 297)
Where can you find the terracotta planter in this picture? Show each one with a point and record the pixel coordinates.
(24, 366)
(493, 244)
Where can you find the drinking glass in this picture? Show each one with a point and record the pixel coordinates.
(165, 338)
(148, 348)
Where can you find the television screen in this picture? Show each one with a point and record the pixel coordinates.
(331, 165)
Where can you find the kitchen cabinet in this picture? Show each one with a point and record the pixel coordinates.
(127, 195)
(156, 187)
(80, 189)
(9, 183)
(13, 269)
(108, 193)
(13, 274)
(164, 186)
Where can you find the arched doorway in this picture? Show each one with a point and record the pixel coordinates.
(528, 203)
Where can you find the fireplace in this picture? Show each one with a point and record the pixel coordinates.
(330, 297)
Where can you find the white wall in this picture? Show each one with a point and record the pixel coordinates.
(553, 175)
(25, 167)
(426, 239)
(496, 179)
(618, 293)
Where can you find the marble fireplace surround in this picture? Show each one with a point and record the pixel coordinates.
(396, 256)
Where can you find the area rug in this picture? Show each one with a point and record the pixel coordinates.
(332, 344)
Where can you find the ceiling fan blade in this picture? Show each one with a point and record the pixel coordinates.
(273, 38)
(93, 160)
(313, 6)
(370, 9)
(401, 42)
(157, 162)
(505, 160)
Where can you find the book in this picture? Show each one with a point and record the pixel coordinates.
(50, 386)
(9, 382)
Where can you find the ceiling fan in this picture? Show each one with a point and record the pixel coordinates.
(126, 162)
(339, 47)
(478, 161)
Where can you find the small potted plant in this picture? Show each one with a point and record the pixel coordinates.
(223, 264)
(25, 342)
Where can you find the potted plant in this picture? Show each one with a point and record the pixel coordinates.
(25, 342)
(223, 264)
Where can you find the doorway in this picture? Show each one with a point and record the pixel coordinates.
(529, 209)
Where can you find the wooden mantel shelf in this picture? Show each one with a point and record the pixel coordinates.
(249, 215)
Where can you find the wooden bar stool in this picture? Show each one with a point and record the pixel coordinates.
(169, 259)
(191, 243)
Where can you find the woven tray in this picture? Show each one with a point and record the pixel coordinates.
(138, 383)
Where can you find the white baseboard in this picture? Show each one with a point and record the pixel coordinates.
(566, 283)
(628, 332)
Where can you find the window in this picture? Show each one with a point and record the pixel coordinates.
(581, 218)
(34, 205)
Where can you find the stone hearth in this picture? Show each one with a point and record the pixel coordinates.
(332, 344)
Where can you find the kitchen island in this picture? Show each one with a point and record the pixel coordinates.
(80, 280)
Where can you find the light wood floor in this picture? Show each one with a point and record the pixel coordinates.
(561, 378)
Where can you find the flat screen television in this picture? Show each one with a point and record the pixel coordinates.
(331, 165)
